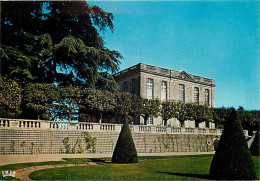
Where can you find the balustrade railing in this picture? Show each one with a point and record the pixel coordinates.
(145, 128)
(161, 129)
(175, 130)
(4, 123)
(97, 127)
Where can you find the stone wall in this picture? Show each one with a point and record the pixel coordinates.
(24, 142)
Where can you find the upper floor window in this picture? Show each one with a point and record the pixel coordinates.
(133, 86)
(150, 89)
(124, 88)
(196, 95)
(164, 90)
(182, 92)
(207, 96)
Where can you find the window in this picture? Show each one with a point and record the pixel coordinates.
(182, 92)
(150, 120)
(133, 86)
(124, 87)
(207, 96)
(164, 90)
(196, 95)
(150, 89)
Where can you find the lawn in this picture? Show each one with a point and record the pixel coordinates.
(148, 168)
(194, 167)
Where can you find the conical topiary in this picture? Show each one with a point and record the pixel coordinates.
(125, 151)
(232, 160)
(254, 149)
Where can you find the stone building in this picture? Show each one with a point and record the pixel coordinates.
(156, 82)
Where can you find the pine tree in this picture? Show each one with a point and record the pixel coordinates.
(232, 159)
(125, 151)
(254, 149)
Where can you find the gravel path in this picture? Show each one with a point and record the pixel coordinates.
(23, 174)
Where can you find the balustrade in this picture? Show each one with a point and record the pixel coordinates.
(4, 123)
(145, 128)
(201, 131)
(63, 125)
(82, 126)
(107, 127)
(29, 124)
(189, 130)
(176, 130)
(161, 129)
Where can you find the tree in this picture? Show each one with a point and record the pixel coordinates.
(167, 111)
(232, 160)
(66, 104)
(59, 43)
(149, 107)
(181, 112)
(98, 103)
(123, 106)
(125, 151)
(220, 115)
(37, 99)
(198, 114)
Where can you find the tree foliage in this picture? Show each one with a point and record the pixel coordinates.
(232, 160)
(98, 103)
(66, 104)
(59, 43)
(37, 99)
(149, 107)
(125, 151)
(167, 110)
(10, 94)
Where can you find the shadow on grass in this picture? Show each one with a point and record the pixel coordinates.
(99, 161)
(200, 176)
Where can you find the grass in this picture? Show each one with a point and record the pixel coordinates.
(148, 168)
(24, 165)
(195, 167)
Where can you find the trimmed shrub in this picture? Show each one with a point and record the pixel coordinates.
(232, 160)
(125, 151)
(254, 149)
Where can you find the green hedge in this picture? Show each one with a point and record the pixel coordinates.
(232, 160)
(125, 151)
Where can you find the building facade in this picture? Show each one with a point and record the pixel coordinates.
(155, 82)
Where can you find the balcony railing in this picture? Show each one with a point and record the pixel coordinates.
(98, 127)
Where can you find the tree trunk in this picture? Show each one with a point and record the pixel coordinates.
(145, 119)
(165, 122)
(196, 124)
(182, 123)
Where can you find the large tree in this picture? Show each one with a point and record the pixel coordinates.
(57, 42)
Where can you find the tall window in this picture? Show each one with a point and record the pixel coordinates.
(206, 96)
(182, 92)
(150, 89)
(133, 85)
(196, 95)
(124, 87)
(150, 120)
(164, 90)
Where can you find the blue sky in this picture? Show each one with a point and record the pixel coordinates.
(219, 40)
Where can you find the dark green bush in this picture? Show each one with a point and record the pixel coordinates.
(232, 160)
(254, 149)
(125, 151)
